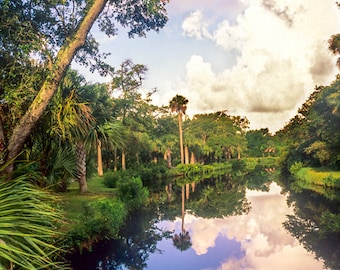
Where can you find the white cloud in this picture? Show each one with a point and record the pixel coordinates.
(195, 26)
(283, 54)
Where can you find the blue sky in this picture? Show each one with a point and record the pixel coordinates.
(255, 58)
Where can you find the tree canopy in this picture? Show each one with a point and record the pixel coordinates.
(50, 34)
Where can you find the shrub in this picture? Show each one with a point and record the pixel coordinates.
(101, 219)
(297, 166)
(152, 174)
(111, 179)
(132, 193)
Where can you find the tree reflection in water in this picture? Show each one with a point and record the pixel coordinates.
(182, 241)
(311, 227)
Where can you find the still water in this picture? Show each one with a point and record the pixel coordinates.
(223, 223)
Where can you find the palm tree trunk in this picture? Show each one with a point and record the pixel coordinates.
(99, 157)
(181, 136)
(115, 159)
(81, 166)
(123, 160)
(192, 158)
(187, 191)
(186, 152)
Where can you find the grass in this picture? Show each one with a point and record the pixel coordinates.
(72, 200)
(320, 176)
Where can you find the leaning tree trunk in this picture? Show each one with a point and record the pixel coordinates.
(81, 166)
(62, 61)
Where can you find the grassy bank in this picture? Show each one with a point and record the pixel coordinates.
(319, 176)
(73, 201)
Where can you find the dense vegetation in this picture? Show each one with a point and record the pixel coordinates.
(56, 129)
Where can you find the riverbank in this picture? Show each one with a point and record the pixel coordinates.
(319, 176)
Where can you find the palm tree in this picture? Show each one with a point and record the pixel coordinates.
(179, 105)
(72, 120)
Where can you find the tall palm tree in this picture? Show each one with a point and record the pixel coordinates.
(179, 105)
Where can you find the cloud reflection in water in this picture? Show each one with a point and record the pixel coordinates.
(256, 241)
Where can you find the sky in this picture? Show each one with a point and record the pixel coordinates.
(255, 58)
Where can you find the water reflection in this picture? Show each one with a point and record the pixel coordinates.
(311, 229)
(221, 223)
(258, 239)
(182, 241)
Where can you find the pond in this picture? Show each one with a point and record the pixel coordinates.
(223, 222)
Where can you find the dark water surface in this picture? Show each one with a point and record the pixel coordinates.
(220, 223)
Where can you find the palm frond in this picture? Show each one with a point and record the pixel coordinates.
(28, 226)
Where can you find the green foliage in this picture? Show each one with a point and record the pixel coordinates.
(62, 168)
(313, 135)
(297, 166)
(111, 179)
(217, 136)
(152, 174)
(257, 142)
(97, 220)
(132, 193)
(28, 226)
(189, 168)
(238, 165)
